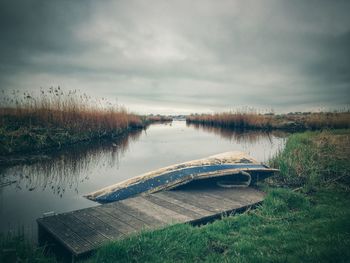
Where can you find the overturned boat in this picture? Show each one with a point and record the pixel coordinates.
(230, 169)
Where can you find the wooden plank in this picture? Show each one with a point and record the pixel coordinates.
(156, 211)
(208, 203)
(225, 204)
(73, 242)
(171, 206)
(97, 224)
(124, 217)
(243, 195)
(112, 221)
(200, 211)
(82, 230)
(221, 205)
(149, 220)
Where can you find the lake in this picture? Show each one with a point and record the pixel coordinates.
(59, 181)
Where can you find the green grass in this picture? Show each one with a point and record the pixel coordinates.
(15, 248)
(314, 159)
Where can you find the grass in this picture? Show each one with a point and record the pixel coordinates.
(55, 118)
(308, 225)
(291, 121)
(314, 159)
(15, 248)
(288, 227)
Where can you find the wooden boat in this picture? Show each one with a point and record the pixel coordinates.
(230, 169)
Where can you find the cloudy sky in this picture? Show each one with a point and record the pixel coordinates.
(182, 56)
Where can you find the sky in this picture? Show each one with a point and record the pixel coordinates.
(181, 57)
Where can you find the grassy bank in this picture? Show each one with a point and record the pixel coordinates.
(288, 227)
(304, 218)
(55, 118)
(288, 122)
(314, 160)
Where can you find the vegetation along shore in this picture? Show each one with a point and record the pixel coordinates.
(298, 121)
(55, 118)
(303, 218)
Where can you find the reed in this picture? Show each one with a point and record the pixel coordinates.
(233, 120)
(55, 117)
(69, 110)
(159, 118)
(291, 121)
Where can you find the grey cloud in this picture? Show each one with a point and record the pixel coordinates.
(204, 55)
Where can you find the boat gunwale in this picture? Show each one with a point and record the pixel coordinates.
(229, 158)
(103, 197)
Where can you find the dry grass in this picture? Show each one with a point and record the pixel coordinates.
(54, 118)
(319, 120)
(292, 121)
(159, 118)
(233, 120)
(67, 110)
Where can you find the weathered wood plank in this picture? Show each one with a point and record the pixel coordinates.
(124, 217)
(220, 205)
(225, 203)
(112, 221)
(242, 195)
(174, 207)
(208, 203)
(101, 227)
(67, 237)
(149, 220)
(156, 211)
(80, 228)
(201, 211)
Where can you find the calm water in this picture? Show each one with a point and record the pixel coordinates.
(59, 183)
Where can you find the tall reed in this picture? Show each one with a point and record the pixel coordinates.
(291, 121)
(72, 110)
(232, 120)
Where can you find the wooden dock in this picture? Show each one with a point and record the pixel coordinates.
(85, 230)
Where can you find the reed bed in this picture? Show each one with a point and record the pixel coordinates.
(55, 117)
(158, 118)
(68, 110)
(232, 120)
(291, 121)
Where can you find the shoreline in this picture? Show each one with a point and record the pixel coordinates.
(67, 142)
(29, 157)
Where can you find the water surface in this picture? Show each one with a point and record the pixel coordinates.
(59, 183)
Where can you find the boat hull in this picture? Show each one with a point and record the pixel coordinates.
(227, 164)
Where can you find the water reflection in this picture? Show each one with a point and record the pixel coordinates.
(239, 136)
(65, 169)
